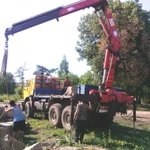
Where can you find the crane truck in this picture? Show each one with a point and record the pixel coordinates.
(106, 100)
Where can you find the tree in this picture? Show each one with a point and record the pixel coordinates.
(64, 71)
(133, 66)
(44, 70)
(89, 78)
(74, 79)
(7, 84)
(64, 68)
(20, 73)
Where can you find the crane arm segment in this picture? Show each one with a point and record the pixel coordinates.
(52, 14)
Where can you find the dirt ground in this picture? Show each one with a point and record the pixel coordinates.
(142, 117)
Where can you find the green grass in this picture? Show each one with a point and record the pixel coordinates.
(6, 97)
(40, 130)
(120, 136)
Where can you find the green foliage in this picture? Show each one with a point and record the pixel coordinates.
(15, 97)
(133, 65)
(64, 67)
(132, 68)
(18, 90)
(7, 84)
(6, 97)
(44, 70)
(90, 32)
(63, 72)
(73, 78)
(90, 78)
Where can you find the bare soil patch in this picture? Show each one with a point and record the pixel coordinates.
(142, 118)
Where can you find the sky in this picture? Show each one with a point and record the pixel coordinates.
(45, 44)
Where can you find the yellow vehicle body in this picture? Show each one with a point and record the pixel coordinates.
(29, 88)
(44, 84)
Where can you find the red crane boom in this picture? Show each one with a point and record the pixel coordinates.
(109, 27)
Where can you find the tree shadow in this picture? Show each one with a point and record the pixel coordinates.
(121, 136)
(28, 140)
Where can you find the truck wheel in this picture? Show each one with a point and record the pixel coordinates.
(22, 105)
(55, 114)
(29, 112)
(24, 102)
(65, 118)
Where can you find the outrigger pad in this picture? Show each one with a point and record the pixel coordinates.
(86, 98)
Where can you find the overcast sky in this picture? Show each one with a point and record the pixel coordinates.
(44, 44)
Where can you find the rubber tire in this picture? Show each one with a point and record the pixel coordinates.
(22, 105)
(29, 112)
(54, 114)
(65, 118)
(24, 102)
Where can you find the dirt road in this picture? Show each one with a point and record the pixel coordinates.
(142, 118)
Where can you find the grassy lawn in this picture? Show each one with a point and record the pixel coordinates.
(40, 130)
(125, 137)
(120, 136)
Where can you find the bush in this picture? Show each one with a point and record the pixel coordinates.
(18, 90)
(6, 97)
